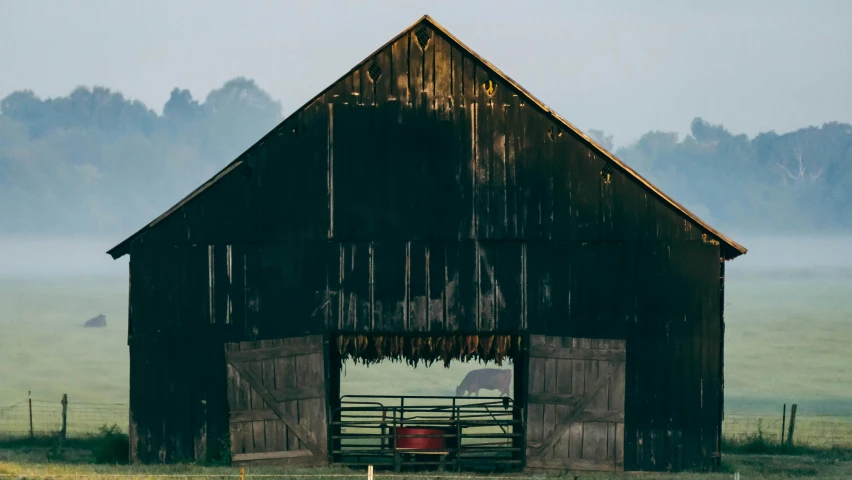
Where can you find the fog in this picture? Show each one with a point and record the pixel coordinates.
(819, 252)
(41, 257)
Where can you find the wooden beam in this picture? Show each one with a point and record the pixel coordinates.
(245, 457)
(577, 464)
(277, 352)
(312, 461)
(607, 416)
(537, 351)
(590, 394)
(240, 416)
(276, 407)
(553, 398)
(300, 393)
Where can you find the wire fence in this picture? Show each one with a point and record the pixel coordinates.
(42, 417)
(819, 431)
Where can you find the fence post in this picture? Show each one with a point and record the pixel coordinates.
(63, 432)
(792, 425)
(783, 423)
(30, 399)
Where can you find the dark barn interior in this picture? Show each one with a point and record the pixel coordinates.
(426, 197)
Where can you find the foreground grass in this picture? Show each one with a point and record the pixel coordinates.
(40, 459)
(763, 466)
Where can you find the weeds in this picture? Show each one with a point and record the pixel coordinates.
(111, 446)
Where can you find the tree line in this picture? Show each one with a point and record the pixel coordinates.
(95, 162)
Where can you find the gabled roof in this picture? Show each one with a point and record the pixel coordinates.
(730, 248)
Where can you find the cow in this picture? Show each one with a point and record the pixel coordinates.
(485, 379)
(96, 322)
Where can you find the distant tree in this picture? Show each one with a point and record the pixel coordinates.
(181, 107)
(96, 161)
(603, 139)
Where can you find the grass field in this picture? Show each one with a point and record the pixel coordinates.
(29, 463)
(786, 341)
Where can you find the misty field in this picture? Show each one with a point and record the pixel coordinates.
(786, 341)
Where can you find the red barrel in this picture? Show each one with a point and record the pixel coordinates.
(420, 443)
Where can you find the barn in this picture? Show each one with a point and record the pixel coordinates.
(425, 206)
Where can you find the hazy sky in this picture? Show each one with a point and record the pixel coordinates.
(623, 66)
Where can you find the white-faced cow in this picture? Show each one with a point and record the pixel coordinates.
(485, 379)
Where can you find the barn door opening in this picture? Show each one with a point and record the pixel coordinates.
(416, 402)
(277, 401)
(575, 415)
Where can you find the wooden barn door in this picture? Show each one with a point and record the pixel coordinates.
(575, 414)
(276, 395)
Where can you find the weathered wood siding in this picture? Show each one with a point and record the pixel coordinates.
(431, 197)
(277, 400)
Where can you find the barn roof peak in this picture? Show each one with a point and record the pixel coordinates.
(730, 248)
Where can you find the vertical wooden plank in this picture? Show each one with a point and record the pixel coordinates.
(221, 284)
(486, 311)
(458, 76)
(561, 150)
(389, 271)
(357, 315)
(271, 428)
(465, 122)
(435, 279)
(237, 294)
(400, 70)
(443, 59)
(257, 403)
(418, 299)
(511, 138)
(246, 403)
(462, 286)
(286, 378)
(253, 279)
(600, 430)
(508, 276)
(522, 168)
(303, 375)
(416, 68)
(471, 87)
(353, 83)
(496, 132)
(578, 388)
(535, 173)
(235, 429)
(535, 411)
(565, 386)
(317, 370)
(551, 376)
(334, 254)
(451, 281)
(606, 222)
(547, 201)
(429, 66)
(384, 85)
(483, 161)
(368, 86)
(538, 275)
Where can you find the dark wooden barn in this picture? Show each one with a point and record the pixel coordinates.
(426, 195)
